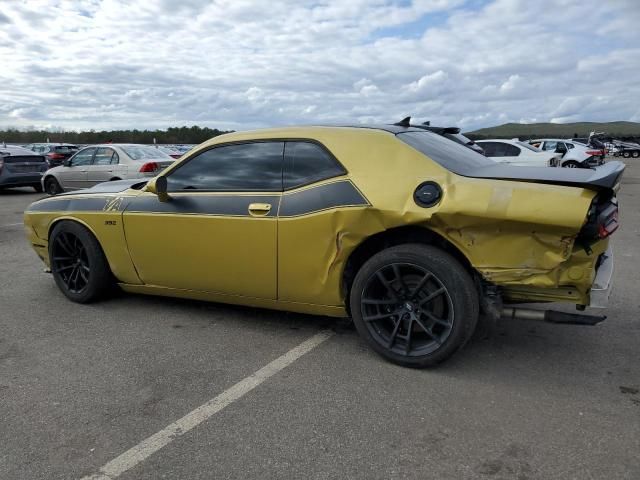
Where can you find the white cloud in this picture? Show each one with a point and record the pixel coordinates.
(243, 64)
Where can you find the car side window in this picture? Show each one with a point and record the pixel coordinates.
(246, 167)
(115, 159)
(489, 148)
(83, 157)
(569, 145)
(103, 156)
(550, 146)
(511, 150)
(308, 162)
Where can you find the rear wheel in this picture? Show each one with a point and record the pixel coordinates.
(414, 304)
(571, 164)
(635, 154)
(52, 186)
(626, 154)
(78, 264)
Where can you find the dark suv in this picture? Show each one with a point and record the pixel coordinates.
(55, 153)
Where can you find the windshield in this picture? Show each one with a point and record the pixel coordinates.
(143, 152)
(451, 155)
(528, 146)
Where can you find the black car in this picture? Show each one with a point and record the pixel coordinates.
(20, 167)
(56, 153)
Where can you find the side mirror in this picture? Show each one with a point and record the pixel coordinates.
(67, 162)
(159, 186)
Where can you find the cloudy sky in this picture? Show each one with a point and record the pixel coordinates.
(238, 64)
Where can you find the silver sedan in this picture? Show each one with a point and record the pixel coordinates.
(103, 163)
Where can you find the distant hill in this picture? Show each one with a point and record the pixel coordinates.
(559, 130)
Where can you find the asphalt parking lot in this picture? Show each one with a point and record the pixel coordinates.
(80, 385)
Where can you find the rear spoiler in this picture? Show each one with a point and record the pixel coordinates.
(606, 176)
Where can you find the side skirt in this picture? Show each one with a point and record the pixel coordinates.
(311, 309)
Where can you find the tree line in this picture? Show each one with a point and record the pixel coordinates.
(172, 135)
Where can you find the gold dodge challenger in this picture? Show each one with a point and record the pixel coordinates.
(409, 233)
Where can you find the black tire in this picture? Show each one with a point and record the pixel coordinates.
(403, 317)
(626, 154)
(78, 264)
(51, 186)
(635, 154)
(571, 164)
(37, 188)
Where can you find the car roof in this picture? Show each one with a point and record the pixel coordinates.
(15, 150)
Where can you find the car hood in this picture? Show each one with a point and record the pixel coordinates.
(115, 186)
(602, 177)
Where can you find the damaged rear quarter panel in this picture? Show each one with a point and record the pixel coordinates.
(515, 234)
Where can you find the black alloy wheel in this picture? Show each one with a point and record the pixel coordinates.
(78, 264)
(414, 304)
(70, 262)
(407, 309)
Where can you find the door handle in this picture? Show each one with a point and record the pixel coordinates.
(259, 209)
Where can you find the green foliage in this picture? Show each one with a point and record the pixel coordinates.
(173, 135)
(527, 131)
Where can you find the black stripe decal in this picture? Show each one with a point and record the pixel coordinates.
(70, 205)
(310, 200)
(232, 205)
(322, 197)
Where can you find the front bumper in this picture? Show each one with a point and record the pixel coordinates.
(602, 284)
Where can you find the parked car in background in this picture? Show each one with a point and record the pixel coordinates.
(517, 153)
(574, 155)
(55, 153)
(20, 167)
(595, 144)
(173, 153)
(103, 163)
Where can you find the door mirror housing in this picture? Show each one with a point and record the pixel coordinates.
(67, 162)
(159, 186)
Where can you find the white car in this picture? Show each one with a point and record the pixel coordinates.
(517, 153)
(103, 163)
(574, 154)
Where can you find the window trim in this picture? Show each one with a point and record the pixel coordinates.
(258, 140)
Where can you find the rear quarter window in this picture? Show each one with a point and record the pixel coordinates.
(447, 153)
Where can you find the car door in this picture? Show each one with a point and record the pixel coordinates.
(218, 231)
(102, 169)
(318, 203)
(74, 176)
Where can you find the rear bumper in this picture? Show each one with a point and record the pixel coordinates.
(602, 284)
(20, 179)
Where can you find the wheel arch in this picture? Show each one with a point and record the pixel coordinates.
(392, 237)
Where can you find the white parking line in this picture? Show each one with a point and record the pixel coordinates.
(155, 442)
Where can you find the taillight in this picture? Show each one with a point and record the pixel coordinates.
(149, 167)
(601, 221)
(594, 152)
(608, 221)
(55, 156)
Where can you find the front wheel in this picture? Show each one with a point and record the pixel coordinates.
(52, 186)
(78, 264)
(414, 304)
